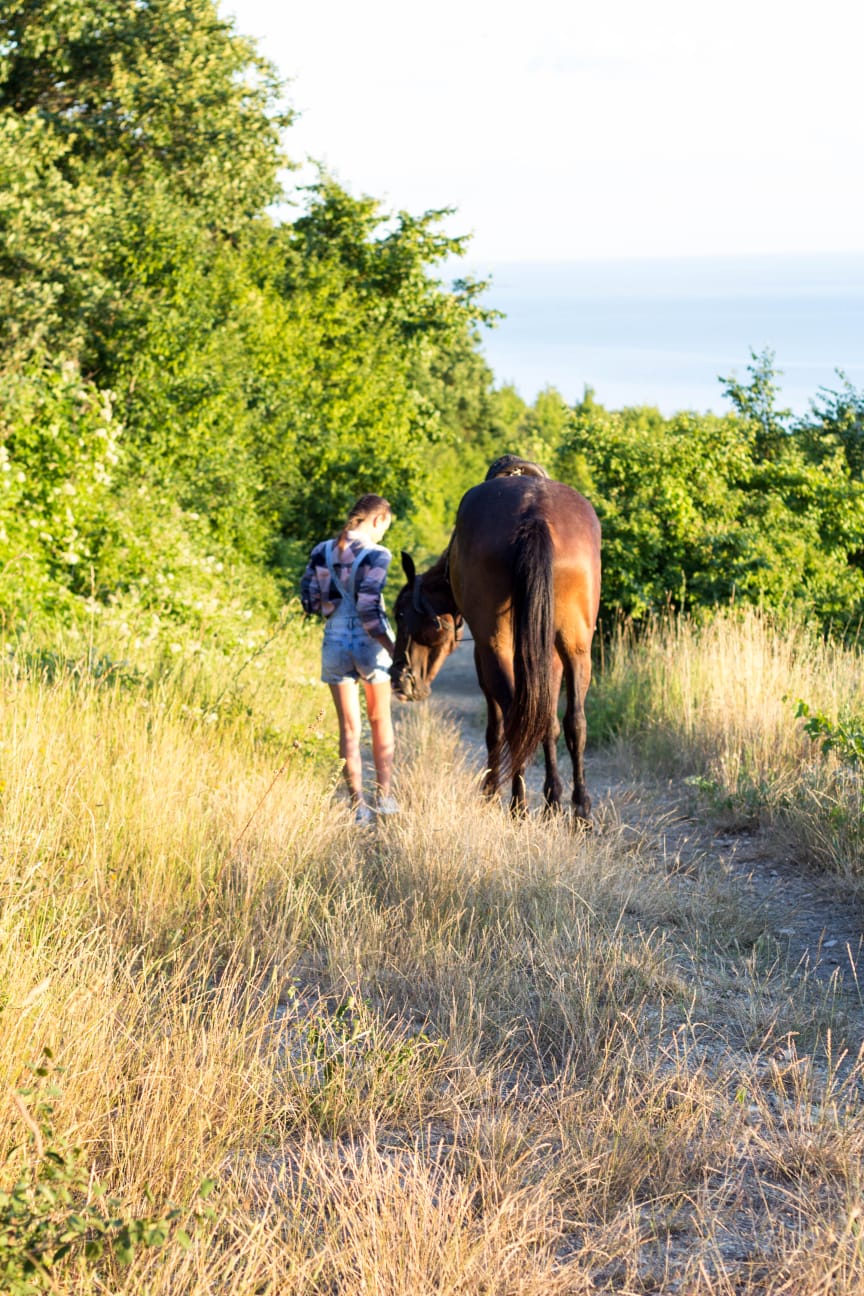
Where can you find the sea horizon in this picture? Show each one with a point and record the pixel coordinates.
(663, 331)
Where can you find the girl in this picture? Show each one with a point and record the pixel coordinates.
(343, 582)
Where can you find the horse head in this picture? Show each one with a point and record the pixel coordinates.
(428, 628)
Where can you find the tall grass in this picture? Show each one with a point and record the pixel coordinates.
(717, 702)
(453, 1054)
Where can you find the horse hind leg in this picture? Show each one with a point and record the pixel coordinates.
(577, 674)
(497, 685)
(491, 681)
(494, 739)
(553, 788)
(519, 795)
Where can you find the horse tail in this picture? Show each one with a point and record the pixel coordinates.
(527, 720)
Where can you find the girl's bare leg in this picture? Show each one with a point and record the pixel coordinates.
(346, 697)
(381, 724)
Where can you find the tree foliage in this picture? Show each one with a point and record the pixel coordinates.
(703, 509)
(192, 388)
(262, 374)
(162, 86)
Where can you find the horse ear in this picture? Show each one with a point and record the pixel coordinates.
(408, 566)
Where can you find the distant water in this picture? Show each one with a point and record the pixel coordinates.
(660, 332)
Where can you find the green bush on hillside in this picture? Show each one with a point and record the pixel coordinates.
(699, 510)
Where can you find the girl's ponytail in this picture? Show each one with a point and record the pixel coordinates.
(366, 506)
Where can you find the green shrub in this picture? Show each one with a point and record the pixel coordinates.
(844, 736)
(55, 1216)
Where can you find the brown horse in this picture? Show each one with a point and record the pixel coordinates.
(523, 570)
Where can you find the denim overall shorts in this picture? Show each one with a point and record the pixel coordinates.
(349, 653)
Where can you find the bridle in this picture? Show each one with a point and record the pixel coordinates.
(422, 605)
(443, 620)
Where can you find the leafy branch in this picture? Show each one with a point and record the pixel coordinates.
(845, 737)
(54, 1214)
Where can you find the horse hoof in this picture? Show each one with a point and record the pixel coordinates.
(582, 816)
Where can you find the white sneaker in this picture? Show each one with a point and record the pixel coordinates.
(363, 814)
(387, 805)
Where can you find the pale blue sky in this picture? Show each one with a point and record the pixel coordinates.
(575, 131)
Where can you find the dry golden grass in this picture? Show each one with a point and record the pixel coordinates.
(455, 1054)
(718, 702)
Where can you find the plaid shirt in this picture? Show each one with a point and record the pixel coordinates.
(318, 594)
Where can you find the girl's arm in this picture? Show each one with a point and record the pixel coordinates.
(370, 602)
(310, 586)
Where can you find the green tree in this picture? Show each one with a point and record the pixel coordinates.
(262, 374)
(53, 279)
(836, 419)
(107, 110)
(367, 334)
(756, 403)
(695, 513)
(164, 85)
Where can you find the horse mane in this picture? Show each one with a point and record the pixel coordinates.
(436, 582)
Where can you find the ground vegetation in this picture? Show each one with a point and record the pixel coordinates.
(450, 1053)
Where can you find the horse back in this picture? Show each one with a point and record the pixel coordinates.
(490, 520)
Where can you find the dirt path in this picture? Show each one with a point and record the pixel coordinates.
(805, 912)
